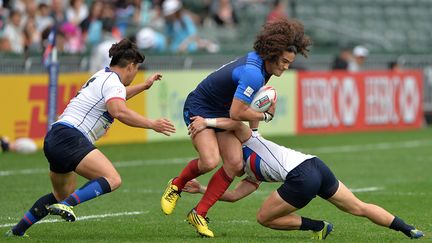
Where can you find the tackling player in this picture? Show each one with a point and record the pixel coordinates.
(304, 177)
(227, 92)
(69, 148)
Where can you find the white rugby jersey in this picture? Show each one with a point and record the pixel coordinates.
(266, 161)
(87, 111)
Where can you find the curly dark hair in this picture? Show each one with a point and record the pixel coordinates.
(281, 35)
(125, 52)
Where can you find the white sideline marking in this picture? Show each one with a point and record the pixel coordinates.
(266, 192)
(366, 189)
(317, 150)
(97, 216)
(130, 163)
(370, 146)
(244, 221)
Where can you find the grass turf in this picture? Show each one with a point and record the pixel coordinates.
(396, 165)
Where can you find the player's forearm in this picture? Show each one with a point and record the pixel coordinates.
(223, 123)
(246, 115)
(254, 124)
(241, 131)
(228, 195)
(134, 119)
(240, 111)
(131, 91)
(241, 190)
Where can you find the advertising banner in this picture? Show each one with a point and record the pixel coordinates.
(24, 103)
(166, 99)
(341, 101)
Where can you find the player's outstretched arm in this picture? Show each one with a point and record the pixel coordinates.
(241, 111)
(242, 189)
(133, 90)
(198, 124)
(118, 109)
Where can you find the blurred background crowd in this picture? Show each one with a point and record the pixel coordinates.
(158, 25)
(344, 32)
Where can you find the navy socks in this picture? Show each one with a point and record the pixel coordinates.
(310, 224)
(37, 212)
(399, 225)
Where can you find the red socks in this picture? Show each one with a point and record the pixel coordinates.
(190, 172)
(218, 184)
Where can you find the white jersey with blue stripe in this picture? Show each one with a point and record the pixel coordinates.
(87, 111)
(267, 161)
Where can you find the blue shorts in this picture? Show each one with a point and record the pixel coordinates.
(306, 181)
(65, 147)
(194, 107)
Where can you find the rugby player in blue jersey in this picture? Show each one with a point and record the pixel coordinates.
(304, 177)
(227, 92)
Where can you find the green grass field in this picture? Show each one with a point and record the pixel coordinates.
(391, 169)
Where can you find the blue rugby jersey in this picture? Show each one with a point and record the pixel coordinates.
(241, 79)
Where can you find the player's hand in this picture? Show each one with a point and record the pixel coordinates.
(269, 114)
(272, 108)
(198, 124)
(192, 186)
(150, 80)
(164, 126)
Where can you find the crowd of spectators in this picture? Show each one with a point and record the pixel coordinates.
(83, 25)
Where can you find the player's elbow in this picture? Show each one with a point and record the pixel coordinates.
(119, 114)
(235, 116)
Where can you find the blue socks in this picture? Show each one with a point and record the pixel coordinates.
(37, 212)
(88, 191)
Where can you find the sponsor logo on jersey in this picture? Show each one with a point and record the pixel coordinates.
(248, 91)
(119, 91)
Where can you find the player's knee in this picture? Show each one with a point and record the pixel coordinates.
(234, 165)
(238, 167)
(114, 181)
(208, 164)
(262, 219)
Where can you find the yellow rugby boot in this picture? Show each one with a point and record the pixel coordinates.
(200, 223)
(169, 198)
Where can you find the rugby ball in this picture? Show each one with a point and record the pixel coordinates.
(263, 99)
(25, 146)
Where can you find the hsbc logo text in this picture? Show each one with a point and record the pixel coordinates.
(390, 100)
(329, 102)
(339, 101)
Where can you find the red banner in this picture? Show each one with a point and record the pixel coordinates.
(376, 100)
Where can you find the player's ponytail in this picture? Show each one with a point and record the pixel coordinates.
(125, 52)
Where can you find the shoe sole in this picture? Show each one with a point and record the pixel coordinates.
(64, 214)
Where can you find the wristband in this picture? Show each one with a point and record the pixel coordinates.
(211, 122)
(254, 129)
(268, 116)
